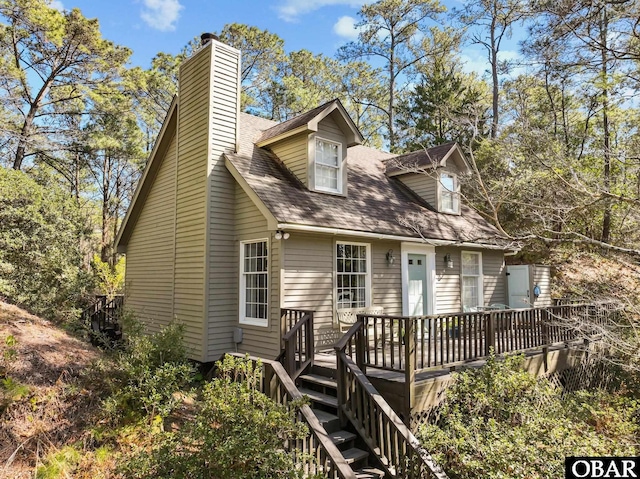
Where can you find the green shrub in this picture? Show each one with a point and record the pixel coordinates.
(41, 230)
(235, 433)
(148, 377)
(501, 422)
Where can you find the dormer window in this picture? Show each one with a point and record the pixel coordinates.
(328, 166)
(449, 196)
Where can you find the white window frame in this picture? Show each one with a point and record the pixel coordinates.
(479, 279)
(243, 319)
(455, 193)
(368, 275)
(338, 168)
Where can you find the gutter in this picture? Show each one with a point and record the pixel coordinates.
(408, 239)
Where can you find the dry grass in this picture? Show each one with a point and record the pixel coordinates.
(55, 408)
(591, 276)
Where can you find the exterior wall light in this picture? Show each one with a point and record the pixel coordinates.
(390, 258)
(282, 234)
(448, 262)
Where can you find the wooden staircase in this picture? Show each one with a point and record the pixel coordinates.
(102, 320)
(321, 389)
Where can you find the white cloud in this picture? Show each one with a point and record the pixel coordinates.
(290, 10)
(161, 14)
(346, 27)
(57, 4)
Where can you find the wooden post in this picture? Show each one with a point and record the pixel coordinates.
(361, 345)
(269, 387)
(310, 346)
(290, 356)
(409, 368)
(490, 332)
(341, 388)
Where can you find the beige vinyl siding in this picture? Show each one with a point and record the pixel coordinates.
(149, 274)
(495, 279)
(387, 279)
(294, 153)
(448, 291)
(193, 117)
(423, 185)
(448, 281)
(252, 225)
(541, 275)
(222, 304)
(309, 275)
(328, 129)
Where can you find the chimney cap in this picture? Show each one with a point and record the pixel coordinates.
(207, 37)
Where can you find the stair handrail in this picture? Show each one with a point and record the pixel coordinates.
(279, 386)
(398, 450)
(298, 343)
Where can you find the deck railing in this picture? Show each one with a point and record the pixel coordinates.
(377, 423)
(410, 345)
(297, 342)
(316, 454)
(104, 314)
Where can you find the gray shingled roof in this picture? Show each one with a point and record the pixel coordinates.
(375, 203)
(292, 124)
(425, 158)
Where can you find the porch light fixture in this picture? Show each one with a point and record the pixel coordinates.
(390, 258)
(281, 234)
(448, 262)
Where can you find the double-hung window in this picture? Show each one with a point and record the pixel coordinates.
(449, 194)
(328, 166)
(353, 271)
(254, 290)
(472, 291)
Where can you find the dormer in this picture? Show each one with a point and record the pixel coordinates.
(313, 146)
(433, 174)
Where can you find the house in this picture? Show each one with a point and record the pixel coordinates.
(236, 217)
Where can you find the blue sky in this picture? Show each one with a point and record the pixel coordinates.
(151, 26)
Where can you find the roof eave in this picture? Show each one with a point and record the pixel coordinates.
(383, 236)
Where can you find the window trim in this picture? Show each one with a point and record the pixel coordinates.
(339, 168)
(480, 278)
(242, 319)
(456, 193)
(368, 276)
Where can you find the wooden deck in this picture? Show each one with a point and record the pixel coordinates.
(408, 359)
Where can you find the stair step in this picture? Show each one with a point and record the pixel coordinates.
(329, 421)
(354, 454)
(340, 437)
(369, 473)
(320, 398)
(321, 380)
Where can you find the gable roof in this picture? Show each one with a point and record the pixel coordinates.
(427, 158)
(375, 203)
(308, 122)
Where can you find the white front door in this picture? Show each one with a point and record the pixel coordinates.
(418, 295)
(418, 279)
(518, 283)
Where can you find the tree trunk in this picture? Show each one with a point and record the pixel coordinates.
(22, 143)
(494, 78)
(606, 217)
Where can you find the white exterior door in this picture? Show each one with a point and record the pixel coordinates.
(518, 282)
(417, 284)
(418, 279)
